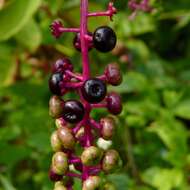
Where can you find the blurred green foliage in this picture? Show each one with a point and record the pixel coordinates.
(153, 129)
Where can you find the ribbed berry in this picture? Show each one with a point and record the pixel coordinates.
(55, 107)
(61, 65)
(104, 39)
(108, 127)
(110, 160)
(73, 111)
(54, 83)
(92, 183)
(66, 137)
(94, 90)
(114, 103)
(60, 163)
(91, 156)
(77, 42)
(113, 74)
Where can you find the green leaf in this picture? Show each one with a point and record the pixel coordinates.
(183, 109)
(163, 179)
(6, 183)
(14, 16)
(30, 35)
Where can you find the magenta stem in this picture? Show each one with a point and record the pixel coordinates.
(71, 174)
(69, 30)
(101, 105)
(72, 84)
(95, 124)
(106, 13)
(74, 75)
(102, 77)
(74, 161)
(84, 42)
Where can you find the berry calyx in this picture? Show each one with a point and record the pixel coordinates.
(60, 163)
(92, 183)
(91, 156)
(108, 127)
(77, 42)
(94, 90)
(104, 39)
(61, 65)
(73, 111)
(54, 83)
(114, 103)
(55, 107)
(66, 137)
(113, 74)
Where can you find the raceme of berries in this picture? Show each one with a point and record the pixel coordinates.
(75, 126)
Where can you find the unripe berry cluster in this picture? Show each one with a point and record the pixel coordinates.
(75, 127)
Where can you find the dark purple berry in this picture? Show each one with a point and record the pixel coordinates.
(54, 83)
(61, 65)
(104, 39)
(73, 111)
(114, 103)
(94, 90)
(113, 74)
(54, 177)
(77, 42)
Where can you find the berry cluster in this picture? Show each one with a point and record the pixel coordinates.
(75, 127)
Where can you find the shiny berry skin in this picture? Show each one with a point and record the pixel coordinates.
(61, 65)
(73, 111)
(77, 42)
(104, 39)
(54, 83)
(114, 103)
(113, 74)
(94, 90)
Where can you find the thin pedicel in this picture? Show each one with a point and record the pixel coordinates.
(73, 119)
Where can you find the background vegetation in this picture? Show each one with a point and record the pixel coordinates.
(153, 129)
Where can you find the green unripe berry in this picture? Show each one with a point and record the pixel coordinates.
(55, 107)
(91, 156)
(109, 186)
(110, 160)
(92, 183)
(59, 186)
(108, 127)
(66, 137)
(60, 163)
(55, 142)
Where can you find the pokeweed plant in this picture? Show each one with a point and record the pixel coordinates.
(74, 124)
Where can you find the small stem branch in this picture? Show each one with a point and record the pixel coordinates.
(95, 124)
(100, 105)
(72, 174)
(72, 85)
(74, 75)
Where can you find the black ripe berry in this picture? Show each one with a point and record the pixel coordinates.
(73, 111)
(94, 90)
(54, 83)
(104, 39)
(77, 42)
